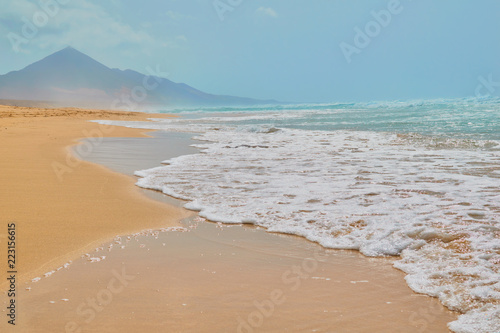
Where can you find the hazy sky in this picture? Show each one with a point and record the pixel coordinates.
(290, 50)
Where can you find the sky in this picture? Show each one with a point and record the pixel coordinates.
(289, 50)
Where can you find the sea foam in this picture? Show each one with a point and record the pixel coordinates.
(434, 201)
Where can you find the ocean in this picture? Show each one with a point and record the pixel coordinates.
(419, 180)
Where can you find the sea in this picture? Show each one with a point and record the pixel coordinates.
(419, 180)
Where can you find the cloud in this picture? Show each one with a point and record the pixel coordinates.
(267, 12)
(19, 7)
(82, 24)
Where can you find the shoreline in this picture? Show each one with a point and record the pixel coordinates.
(58, 201)
(114, 145)
(168, 275)
(192, 263)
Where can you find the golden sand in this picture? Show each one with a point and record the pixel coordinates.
(63, 206)
(210, 279)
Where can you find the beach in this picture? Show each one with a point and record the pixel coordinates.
(61, 205)
(90, 234)
(415, 180)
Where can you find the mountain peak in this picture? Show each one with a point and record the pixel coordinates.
(68, 49)
(67, 58)
(71, 77)
(67, 52)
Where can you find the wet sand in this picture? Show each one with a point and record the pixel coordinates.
(61, 205)
(215, 278)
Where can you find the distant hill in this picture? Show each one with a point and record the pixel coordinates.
(71, 78)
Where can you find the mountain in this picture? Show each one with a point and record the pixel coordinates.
(71, 78)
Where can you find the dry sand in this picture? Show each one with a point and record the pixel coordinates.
(61, 205)
(211, 278)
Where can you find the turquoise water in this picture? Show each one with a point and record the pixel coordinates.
(460, 118)
(419, 180)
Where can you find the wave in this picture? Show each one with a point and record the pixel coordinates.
(415, 179)
(436, 207)
(483, 100)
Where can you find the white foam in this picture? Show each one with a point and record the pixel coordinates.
(96, 259)
(49, 273)
(434, 202)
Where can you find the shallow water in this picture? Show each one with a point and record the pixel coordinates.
(418, 179)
